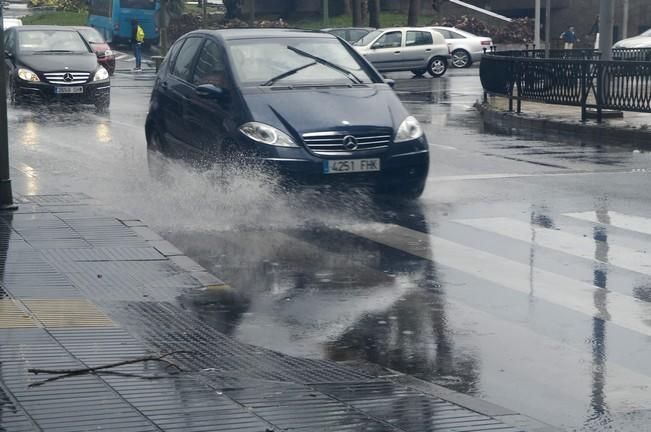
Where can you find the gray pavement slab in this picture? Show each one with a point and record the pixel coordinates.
(81, 290)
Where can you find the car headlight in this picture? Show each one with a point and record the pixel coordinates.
(101, 74)
(409, 130)
(27, 75)
(108, 53)
(266, 134)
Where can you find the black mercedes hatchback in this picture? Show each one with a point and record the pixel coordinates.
(53, 64)
(303, 103)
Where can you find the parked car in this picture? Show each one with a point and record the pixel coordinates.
(466, 48)
(8, 23)
(640, 41)
(349, 34)
(102, 50)
(301, 103)
(51, 63)
(418, 50)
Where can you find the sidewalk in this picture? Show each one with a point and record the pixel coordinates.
(634, 128)
(80, 289)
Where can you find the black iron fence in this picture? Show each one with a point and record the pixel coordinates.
(571, 77)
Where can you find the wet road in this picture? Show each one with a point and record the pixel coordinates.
(523, 275)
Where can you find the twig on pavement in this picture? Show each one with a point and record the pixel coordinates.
(94, 369)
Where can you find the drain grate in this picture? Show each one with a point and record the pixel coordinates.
(67, 313)
(409, 409)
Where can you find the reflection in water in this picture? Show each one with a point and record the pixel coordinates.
(30, 135)
(599, 413)
(103, 132)
(323, 292)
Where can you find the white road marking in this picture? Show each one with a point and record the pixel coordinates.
(446, 147)
(583, 247)
(619, 220)
(587, 299)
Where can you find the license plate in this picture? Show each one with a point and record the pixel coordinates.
(68, 90)
(351, 166)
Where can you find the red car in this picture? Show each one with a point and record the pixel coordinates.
(105, 55)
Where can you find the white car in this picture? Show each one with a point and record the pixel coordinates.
(11, 22)
(415, 49)
(640, 41)
(466, 47)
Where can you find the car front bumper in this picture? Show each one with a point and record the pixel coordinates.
(402, 164)
(108, 63)
(45, 92)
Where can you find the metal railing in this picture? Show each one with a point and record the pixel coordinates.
(571, 77)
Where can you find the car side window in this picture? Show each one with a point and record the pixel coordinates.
(211, 67)
(416, 38)
(389, 40)
(356, 35)
(446, 34)
(455, 35)
(184, 60)
(10, 41)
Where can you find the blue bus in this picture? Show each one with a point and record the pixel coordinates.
(112, 18)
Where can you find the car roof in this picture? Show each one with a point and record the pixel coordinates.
(348, 28)
(406, 28)
(44, 27)
(259, 33)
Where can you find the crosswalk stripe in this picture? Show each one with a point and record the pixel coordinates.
(583, 247)
(619, 220)
(620, 309)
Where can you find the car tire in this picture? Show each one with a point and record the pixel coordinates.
(437, 67)
(11, 92)
(102, 105)
(461, 59)
(419, 72)
(157, 162)
(404, 192)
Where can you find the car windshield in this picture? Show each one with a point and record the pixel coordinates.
(138, 4)
(92, 35)
(36, 41)
(368, 38)
(265, 61)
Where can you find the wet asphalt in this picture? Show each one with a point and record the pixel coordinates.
(522, 276)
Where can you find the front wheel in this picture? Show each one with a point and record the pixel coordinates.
(157, 162)
(437, 67)
(407, 191)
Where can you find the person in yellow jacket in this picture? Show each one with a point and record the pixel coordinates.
(137, 39)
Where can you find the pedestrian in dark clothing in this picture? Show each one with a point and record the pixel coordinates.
(594, 31)
(569, 37)
(137, 39)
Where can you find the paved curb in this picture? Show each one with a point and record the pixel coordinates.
(597, 133)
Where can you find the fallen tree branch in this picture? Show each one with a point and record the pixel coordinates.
(81, 371)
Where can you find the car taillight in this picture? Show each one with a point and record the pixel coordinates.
(486, 42)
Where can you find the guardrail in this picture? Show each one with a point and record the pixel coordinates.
(571, 77)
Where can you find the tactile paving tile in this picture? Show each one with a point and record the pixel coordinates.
(67, 313)
(55, 198)
(411, 410)
(12, 316)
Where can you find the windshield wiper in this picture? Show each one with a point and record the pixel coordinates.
(288, 73)
(351, 76)
(54, 51)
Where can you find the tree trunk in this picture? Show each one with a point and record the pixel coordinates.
(233, 9)
(348, 9)
(414, 11)
(374, 13)
(357, 13)
(364, 11)
(163, 23)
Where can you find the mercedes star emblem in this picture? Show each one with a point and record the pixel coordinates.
(67, 77)
(350, 143)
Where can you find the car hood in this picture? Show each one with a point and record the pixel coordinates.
(634, 42)
(59, 62)
(303, 110)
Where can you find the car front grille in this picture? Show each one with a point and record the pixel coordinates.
(67, 78)
(339, 143)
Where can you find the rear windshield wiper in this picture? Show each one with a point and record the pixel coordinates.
(325, 62)
(288, 73)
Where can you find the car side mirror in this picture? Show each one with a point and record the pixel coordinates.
(391, 83)
(211, 91)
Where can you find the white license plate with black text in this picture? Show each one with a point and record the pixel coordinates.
(69, 90)
(351, 166)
